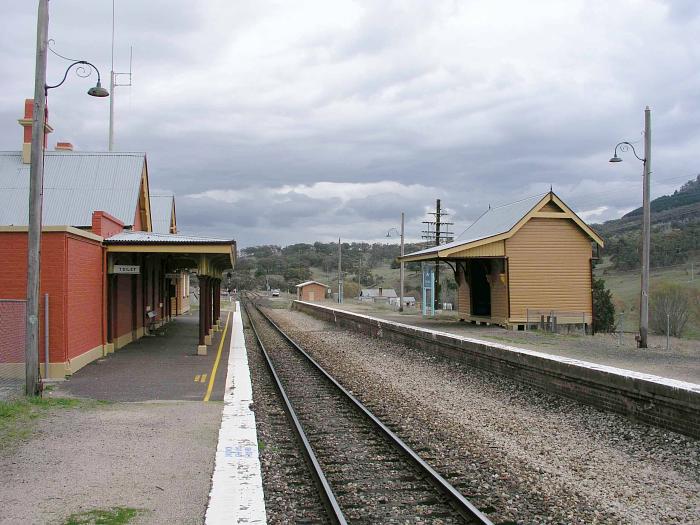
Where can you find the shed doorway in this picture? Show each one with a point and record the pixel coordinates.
(312, 295)
(480, 289)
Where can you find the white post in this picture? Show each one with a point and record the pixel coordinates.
(646, 228)
(401, 271)
(46, 336)
(668, 331)
(36, 183)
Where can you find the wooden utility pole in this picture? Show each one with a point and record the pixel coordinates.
(36, 183)
(340, 272)
(646, 232)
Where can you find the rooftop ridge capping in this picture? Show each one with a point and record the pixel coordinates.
(539, 195)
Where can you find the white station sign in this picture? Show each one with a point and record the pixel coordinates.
(127, 268)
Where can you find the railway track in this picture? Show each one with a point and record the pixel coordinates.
(364, 473)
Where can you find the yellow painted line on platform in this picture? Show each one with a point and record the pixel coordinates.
(216, 361)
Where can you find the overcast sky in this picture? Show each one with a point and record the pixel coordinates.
(282, 122)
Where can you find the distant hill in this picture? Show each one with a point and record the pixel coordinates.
(675, 221)
(686, 195)
(682, 207)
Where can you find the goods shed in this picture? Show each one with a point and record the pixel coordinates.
(524, 263)
(312, 291)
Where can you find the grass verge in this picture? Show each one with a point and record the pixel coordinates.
(111, 516)
(18, 416)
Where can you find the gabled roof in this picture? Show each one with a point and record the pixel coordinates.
(311, 282)
(162, 212)
(76, 183)
(502, 222)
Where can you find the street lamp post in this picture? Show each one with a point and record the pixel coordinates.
(646, 223)
(401, 270)
(36, 184)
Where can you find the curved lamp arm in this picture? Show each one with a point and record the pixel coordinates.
(625, 146)
(83, 72)
(388, 234)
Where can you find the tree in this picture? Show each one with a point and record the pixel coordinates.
(603, 307)
(670, 308)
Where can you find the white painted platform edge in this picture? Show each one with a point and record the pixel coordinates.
(236, 494)
(667, 381)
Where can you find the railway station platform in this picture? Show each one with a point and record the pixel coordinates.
(681, 362)
(158, 368)
(661, 401)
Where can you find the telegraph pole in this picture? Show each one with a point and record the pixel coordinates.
(36, 183)
(646, 227)
(340, 272)
(401, 265)
(435, 238)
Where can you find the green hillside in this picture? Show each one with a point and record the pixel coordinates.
(675, 235)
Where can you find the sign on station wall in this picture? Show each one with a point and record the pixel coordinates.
(126, 268)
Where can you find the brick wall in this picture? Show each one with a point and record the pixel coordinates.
(83, 296)
(105, 225)
(13, 283)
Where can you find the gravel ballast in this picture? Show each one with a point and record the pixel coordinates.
(521, 455)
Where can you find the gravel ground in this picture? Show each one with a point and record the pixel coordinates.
(154, 456)
(290, 493)
(372, 481)
(681, 362)
(521, 455)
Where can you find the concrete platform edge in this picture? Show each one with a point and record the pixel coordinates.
(237, 495)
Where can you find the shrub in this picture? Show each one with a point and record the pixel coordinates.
(670, 305)
(603, 307)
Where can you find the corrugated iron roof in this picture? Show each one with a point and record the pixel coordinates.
(76, 183)
(136, 237)
(161, 212)
(494, 221)
(311, 282)
(374, 292)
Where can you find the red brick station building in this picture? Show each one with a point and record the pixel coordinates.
(112, 262)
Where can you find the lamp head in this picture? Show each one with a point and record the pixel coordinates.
(616, 159)
(98, 91)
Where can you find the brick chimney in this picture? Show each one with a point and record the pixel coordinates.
(26, 123)
(64, 146)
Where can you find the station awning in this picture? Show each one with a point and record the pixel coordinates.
(210, 256)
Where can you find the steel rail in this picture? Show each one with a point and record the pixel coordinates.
(325, 490)
(463, 506)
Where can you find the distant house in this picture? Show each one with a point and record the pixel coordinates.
(377, 295)
(407, 301)
(522, 263)
(312, 291)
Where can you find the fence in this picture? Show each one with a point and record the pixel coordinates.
(12, 340)
(558, 321)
